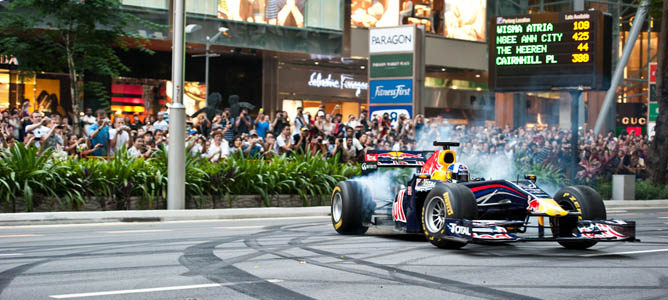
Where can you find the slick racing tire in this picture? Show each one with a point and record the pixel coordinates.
(588, 203)
(448, 200)
(348, 209)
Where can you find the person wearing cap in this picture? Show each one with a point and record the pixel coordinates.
(253, 147)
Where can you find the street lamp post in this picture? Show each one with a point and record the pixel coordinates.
(221, 30)
(176, 176)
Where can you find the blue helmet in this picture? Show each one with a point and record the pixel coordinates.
(458, 172)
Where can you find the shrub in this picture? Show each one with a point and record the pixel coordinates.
(25, 173)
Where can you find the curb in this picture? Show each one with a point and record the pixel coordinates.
(635, 203)
(45, 218)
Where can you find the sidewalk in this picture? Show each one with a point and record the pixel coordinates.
(45, 218)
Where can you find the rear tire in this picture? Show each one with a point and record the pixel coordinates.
(460, 204)
(347, 207)
(588, 203)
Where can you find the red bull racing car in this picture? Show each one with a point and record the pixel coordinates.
(451, 210)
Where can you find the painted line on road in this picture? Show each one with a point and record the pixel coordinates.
(242, 227)
(136, 231)
(623, 253)
(616, 211)
(624, 214)
(10, 254)
(18, 235)
(663, 217)
(158, 289)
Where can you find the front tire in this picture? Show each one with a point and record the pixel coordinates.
(588, 203)
(348, 207)
(447, 200)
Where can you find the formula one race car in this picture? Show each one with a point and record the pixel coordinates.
(441, 202)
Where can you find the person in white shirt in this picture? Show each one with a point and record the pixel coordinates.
(88, 120)
(218, 149)
(284, 141)
(352, 121)
(118, 136)
(161, 124)
(37, 127)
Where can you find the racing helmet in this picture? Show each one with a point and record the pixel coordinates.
(458, 172)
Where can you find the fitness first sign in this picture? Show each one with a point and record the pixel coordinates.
(392, 39)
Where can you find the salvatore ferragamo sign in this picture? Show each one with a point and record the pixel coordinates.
(343, 81)
(322, 84)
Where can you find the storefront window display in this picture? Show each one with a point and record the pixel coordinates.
(44, 92)
(345, 108)
(273, 12)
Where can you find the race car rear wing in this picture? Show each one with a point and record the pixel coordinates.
(375, 159)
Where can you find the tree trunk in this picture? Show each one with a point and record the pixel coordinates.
(658, 150)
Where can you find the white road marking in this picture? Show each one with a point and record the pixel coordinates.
(136, 231)
(242, 227)
(616, 211)
(10, 254)
(663, 217)
(18, 235)
(623, 253)
(158, 289)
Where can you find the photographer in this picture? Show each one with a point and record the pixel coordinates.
(252, 147)
(279, 123)
(243, 123)
(262, 124)
(120, 136)
(284, 141)
(301, 141)
(99, 134)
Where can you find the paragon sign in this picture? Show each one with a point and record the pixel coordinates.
(394, 39)
(344, 81)
(391, 91)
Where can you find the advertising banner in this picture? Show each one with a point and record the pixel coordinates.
(376, 112)
(465, 20)
(274, 12)
(391, 39)
(391, 65)
(391, 91)
(653, 111)
(652, 72)
(381, 13)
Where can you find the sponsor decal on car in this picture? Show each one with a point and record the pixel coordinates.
(398, 208)
(457, 229)
(448, 205)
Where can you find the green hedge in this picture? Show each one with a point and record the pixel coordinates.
(26, 175)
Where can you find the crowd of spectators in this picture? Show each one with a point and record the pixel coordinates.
(323, 133)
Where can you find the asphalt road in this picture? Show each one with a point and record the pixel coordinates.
(304, 258)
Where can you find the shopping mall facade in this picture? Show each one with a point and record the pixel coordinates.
(282, 54)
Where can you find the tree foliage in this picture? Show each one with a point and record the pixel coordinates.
(658, 152)
(69, 36)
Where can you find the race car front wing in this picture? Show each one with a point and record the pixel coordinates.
(487, 231)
